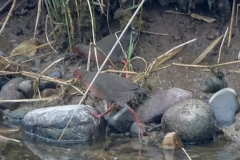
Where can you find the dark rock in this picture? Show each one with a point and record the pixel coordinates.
(48, 92)
(26, 88)
(16, 116)
(10, 95)
(6, 112)
(210, 36)
(44, 85)
(3, 81)
(193, 120)
(55, 74)
(12, 84)
(50, 122)
(122, 120)
(159, 101)
(213, 85)
(225, 105)
(19, 31)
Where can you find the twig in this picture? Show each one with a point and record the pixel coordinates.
(186, 154)
(93, 33)
(179, 46)
(71, 21)
(47, 35)
(220, 50)
(237, 15)
(37, 57)
(116, 71)
(5, 5)
(78, 14)
(52, 65)
(43, 77)
(190, 65)
(8, 16)
(43, 45)
(205, 66)
(38, 15)
(231, 23)
(26, 100)
(114, 46)
(161, 34)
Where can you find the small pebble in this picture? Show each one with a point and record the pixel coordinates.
(26, 88)
(55, 74)
(48, 92)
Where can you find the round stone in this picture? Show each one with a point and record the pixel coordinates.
(193, 120)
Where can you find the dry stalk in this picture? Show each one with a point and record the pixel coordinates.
(237, 15)
(186, 154)
(220, 50)
(47, 35)
(116, 71)
(41, 46)
(8, 16)
(78, 14)
(93, 33)
(161, 34)
(5, 5)
(38, 15)
(37, 57)
(231, 23)
(42, 77)
(71, 21)
(114, 46)
(26, 100)
(190, 65)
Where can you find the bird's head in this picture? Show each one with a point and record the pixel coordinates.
(80, 50)
(79, 73)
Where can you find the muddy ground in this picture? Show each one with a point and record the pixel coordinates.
(180, 28)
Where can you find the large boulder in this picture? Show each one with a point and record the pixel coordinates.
(193, 120)
(49, 123)
(160, 100)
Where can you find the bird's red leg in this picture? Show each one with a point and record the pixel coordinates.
(100, 115)
(125, 62)
(137, 121)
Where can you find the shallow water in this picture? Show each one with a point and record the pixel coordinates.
(120, 146)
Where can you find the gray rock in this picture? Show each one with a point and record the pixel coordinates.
(193, 120)
(55, 74)
(134, 129)
(12, 84)
(6, 112)
(26, 88)
(16, 116)
(3, 81)
(122, 120)
(213, 84)
(10, 95)
(49, 123)
(225, 105)
(160, 100)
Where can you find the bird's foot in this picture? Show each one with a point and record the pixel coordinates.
(100, 115)
(138, 124)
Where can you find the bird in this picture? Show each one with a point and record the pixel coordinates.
(112, 88)
(105, 45)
